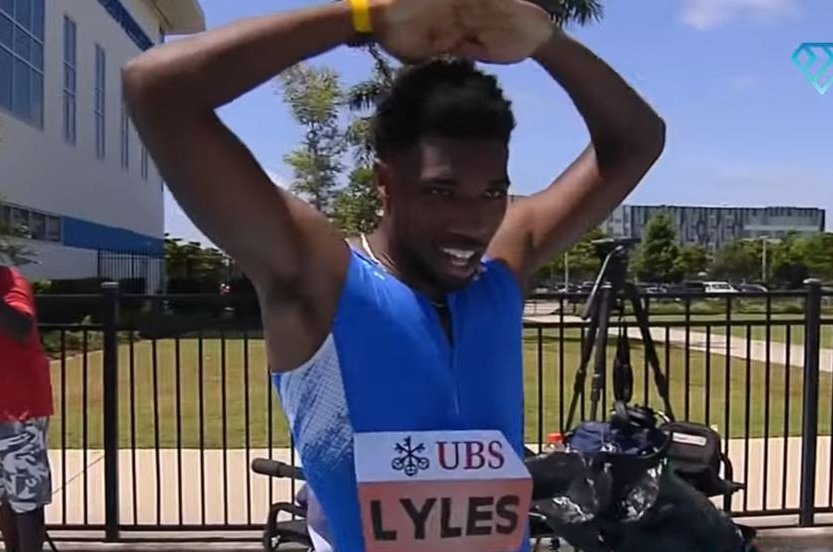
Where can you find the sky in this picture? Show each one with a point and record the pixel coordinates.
(744, 126)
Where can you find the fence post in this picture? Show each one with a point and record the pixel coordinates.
(109, 322)
(810, 398)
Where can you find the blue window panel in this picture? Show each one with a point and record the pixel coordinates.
(100, 102)
(84, 234)
(121, 16)
(6, 65)
(23, 13)
(21, 59)
(38, 14)
(70, 53)
(6, 31)
(20, 85)
(36, 107)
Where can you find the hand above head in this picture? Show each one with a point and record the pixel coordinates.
(490, 31)
(504, 31)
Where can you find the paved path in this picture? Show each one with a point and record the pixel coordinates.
(715, 343)
(245, 497)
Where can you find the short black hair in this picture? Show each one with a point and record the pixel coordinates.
(444, 97)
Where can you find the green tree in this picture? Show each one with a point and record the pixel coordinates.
(785, 262)
(738, 261)
(692, 261)
(12, 240)
(817, 255)
(356, 207)
(658, 254)
(314, 96)
(192, 261)
(582, 260)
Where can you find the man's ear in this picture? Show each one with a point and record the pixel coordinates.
(382, 182)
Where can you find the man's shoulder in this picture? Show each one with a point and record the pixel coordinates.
(14, 286)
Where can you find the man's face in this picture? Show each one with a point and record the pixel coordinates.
(445, 200)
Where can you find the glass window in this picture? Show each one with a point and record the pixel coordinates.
(20, 218)
(38, 226)
(53, 229)
(21, 59)
(125, 138)
(100, 101)
(144, 162)
(38, 19)
(20, 88)
(23, 13)
(5, 78)
(70, 48)
(6, 31)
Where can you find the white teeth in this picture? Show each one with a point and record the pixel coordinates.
(460, 254)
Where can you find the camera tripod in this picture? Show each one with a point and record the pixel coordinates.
(609, 294)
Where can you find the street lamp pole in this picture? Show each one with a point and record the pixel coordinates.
(763, 261)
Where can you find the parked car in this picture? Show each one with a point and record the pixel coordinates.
(718, 288)
(752, 288)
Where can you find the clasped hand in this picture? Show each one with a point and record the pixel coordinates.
(490, 31)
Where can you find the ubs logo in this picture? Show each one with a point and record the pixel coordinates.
(470, 455)
(409, 461)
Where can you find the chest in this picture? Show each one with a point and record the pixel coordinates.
(409, 366)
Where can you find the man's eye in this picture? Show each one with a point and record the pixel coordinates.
(437, 191)
(496, 194)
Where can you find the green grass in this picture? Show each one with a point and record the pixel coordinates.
(150, 399)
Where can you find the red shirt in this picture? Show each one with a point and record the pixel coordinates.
(25, 381)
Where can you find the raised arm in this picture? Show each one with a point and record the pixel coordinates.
(295, 259)
(627, 137)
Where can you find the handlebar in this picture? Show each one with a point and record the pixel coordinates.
(276, 468)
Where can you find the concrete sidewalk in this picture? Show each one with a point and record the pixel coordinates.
(715, 343)
(232, 494)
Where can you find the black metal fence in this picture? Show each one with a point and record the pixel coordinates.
(163, 401)
(118, 265)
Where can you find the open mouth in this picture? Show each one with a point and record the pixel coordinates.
(460, 258)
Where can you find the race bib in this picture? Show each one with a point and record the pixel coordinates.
(443, 491)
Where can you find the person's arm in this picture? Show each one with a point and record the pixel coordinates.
(16, 310)
(627, 137)
(295, 259)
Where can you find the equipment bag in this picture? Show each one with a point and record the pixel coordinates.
(696, 455)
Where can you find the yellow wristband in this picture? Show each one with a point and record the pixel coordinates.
(361, 16)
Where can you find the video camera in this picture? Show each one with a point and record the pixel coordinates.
(604, 246)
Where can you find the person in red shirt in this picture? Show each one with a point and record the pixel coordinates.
(25, 409)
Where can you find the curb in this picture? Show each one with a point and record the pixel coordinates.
(787, 539)
(809, 539)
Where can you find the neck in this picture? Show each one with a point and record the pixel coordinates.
(397, 262)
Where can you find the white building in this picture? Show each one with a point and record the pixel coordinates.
(72, 168)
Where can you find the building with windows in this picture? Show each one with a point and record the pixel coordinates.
(712, 227)
(72, 169)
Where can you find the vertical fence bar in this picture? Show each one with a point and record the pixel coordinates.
(810, 399)
(110, 378)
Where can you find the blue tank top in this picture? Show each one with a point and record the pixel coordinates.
(387, 365)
